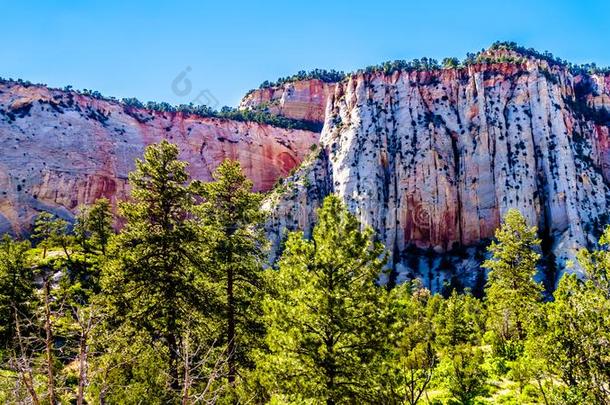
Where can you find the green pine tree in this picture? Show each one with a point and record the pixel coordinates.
(459, 321)
(154, 283)
(51, 232)
(17, 298)
(93, 227)
(326, 321)
(233, 216)
(512, 294)
(412, 356)
(464, 375)
(572, 337)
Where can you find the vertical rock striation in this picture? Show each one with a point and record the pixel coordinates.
(62, 149)
(301, 100)
(433, 159)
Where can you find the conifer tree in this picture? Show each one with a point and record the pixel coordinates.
(459, 321)
(326, 320)
(573, 335)
(411, 358)
(17, 296)
(93, 227)
(51, 231)
(512, 293)
(154, 282)
(233, 216)
(16, 286)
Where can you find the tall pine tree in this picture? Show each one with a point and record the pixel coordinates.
(154, 281)
(512, 293)
(233, 215)
(326, 320)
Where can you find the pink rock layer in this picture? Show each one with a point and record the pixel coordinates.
(301, 100)
(62, 149)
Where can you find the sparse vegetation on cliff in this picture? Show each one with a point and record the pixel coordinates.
(390, 67)
(588, 68)
(327, 76)
(229, 113)
(259, 115)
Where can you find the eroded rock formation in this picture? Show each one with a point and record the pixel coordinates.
(63, 149)
(433, 159)
(302, 100)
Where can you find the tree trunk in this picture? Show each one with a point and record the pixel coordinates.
(49, 344)
(26, 374)
(330, 363)
(231, 327)
(187, 369)
(172, 346)
(82, 372)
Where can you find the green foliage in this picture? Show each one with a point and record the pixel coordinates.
(572, 336)
(450, 63)
(512, 293)
(154, 280)
(93, 227)
(327, 76)
(50, 231)
(233, 217)
(16, 288)
(134, 374)
(459, 320)
(325, 319)
(390, 67)
(411, 356)
(463, 374)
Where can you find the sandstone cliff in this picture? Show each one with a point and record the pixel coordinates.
(433, 159)
(63, 149)
(302, 100)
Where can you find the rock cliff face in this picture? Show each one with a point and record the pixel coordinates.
(433, 159)
(302, 100)
(62, 149)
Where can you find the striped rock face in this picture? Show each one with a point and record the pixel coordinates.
(61, 149)
(301, 100)
(432, 160)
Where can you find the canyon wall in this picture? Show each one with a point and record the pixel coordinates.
(432, 160)
(61, 149)
(301, 100)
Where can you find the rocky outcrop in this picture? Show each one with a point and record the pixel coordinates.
(61, 149)
(433, 159)
(301, 100)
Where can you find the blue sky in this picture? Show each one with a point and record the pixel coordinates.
(138, 48)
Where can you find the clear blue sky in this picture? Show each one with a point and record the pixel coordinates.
(137, 48)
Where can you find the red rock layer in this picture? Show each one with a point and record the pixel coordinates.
(62, 149)
(302, 100)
